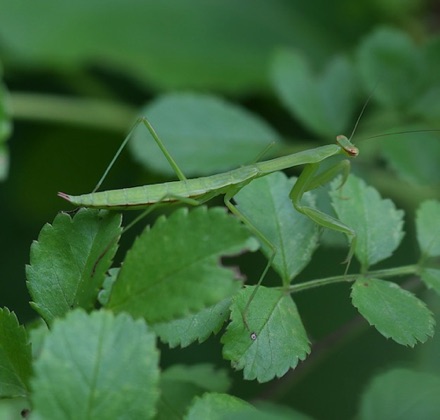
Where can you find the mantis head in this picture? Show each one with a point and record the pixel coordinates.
(347, 146)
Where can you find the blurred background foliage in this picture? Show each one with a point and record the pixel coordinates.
(76, 74)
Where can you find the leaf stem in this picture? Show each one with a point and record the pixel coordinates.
(93, 113)
(387, 272)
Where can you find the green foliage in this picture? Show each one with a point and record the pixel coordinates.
(102, 361)
(356, 205)
(266, 203)
(396, 313)
(272, 340)
(194, 124)
(401, 394)
(15, 357)
(69, 261)
(5, 130)
(323, 102)
(220, 87)
(174, 266)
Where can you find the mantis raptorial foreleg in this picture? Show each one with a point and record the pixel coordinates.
(308, 181)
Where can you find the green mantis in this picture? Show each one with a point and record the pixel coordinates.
(200, 190)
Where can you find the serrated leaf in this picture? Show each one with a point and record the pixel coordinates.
(272, 341)
(431, 277)
(222, 135)
(173, 269)
(428, 228)
(216, 406)
(69, 261)
(180, 384)
(376, 221)
(401, 394)
(390, 63)
(199, 326)
(97, 366)
(414, 156)
(15, 357)
(266, 203)
(395, 312)
(317, 101)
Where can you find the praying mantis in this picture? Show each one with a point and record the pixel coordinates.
(197, 191)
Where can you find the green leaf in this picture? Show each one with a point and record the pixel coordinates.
(5, 131)
(426, 106)
(271, 411)
(395, 312)
(173, 45)
(376, 221)
(222, 135)
(431, 277)
(199, 326)
(266, 203)
(215, 406)
(392, 65)
(180, 384)
(69, 261)
(401, 394)
(173, 269)
(414, 156)
(97, 366)
(15, 357)
(272, 341)
(428, 228)
(323, 103)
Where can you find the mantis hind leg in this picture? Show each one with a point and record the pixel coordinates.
(307, 181)
(156, 138)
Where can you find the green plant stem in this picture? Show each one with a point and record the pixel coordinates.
(388, 272)
(86, 112)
